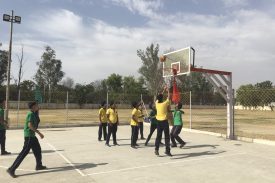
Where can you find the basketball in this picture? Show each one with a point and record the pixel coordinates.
(162, 58)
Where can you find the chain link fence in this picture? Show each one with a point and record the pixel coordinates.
(254, 113)
(254, 110)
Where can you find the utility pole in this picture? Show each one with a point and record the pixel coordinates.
(12, 19)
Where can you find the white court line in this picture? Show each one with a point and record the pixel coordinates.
(160, 164)
(12, 156)
(66, 159)
(24, 170)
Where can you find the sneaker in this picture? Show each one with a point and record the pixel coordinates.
(174, 145)
(107, 145)
(5, 153)
(11, 173)
(168, 153)
(157, 152)
(41, 167)
(182, 145)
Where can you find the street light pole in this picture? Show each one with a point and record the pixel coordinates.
(12, 19)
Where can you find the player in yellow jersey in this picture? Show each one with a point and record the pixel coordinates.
(163, 108)
(113, 121)
(134, 125)
(140, 121)
(102, 121)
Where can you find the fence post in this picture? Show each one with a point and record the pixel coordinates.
(67, 108)
(18, 107)
(107, 99)
(190, 108)
(234, 103)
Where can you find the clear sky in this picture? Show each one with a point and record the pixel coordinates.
(95, 38)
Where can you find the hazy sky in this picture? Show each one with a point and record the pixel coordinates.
(95, 38)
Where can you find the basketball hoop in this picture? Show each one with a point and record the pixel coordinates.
(172, 79)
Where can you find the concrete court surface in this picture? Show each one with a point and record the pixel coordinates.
(75, 155)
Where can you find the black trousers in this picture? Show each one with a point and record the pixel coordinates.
(163, 126)
(134, 135)
(102, 127)
(3, 140)
(175, 135)
(140, 128)
(112, 129)
(30, 143)
(153, 127)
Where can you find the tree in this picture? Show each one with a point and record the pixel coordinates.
(265, 92)
(27, 90)
(3, 65)
(151, 69)
(49, 71)
(247, 96)
(114, 83)
(264, 85)
(130, 85)
(68, 82)
(202, 90)
(84, 93)
(100, 90)
(20, 73)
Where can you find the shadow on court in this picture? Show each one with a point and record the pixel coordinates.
(189, 155)
(201, 146)
(57, 130)
(79, 166)
(43, 152)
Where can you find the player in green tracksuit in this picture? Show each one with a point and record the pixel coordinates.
(177, 114)
(153, 121)
(31, 142)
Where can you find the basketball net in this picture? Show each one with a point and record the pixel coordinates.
(170, 82)
(176, 93)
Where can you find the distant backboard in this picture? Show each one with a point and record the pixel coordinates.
(181, 60)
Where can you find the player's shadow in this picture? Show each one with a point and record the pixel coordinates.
(79, 166)
(201, 146)
(57, 130)
(43, 152)
(123, 139)
(189, 155)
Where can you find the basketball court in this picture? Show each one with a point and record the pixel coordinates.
(75, 155)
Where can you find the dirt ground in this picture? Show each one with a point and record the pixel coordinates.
(253, 124)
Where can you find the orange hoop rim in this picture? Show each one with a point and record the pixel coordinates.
(173, 70)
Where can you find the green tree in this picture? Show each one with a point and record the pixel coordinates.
(130, 85)
(84, 93)
(133, 88)
(114, 83)
(3, 65)
(247, 96)
(202, 90)
(264, 85)
(27, 85)
(49, 71)
(27, 90)
(265, 92)
(151, 69)
(100, 90)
